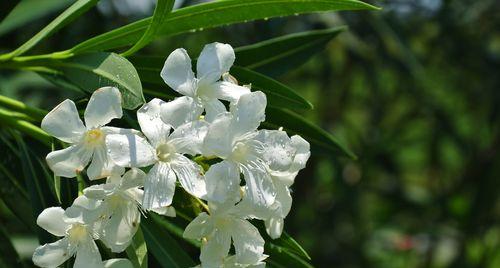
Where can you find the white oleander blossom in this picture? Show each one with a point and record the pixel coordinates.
(207, 89)
(78, 234)
(86, 141)
(224, 224)
(231, 136)
(163, 149)
(116, 204)
(284, 157)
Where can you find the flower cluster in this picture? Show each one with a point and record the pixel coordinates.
(215, 119)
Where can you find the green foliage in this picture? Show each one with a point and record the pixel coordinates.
(95, 63)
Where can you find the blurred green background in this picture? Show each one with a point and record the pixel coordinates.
(413, 90)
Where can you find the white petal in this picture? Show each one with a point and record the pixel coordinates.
(303, 152)
(133, 178)
(84, 210)
(213, 108)
(51, 219)
(249, 112)
(117, 263)
(188, 138)
(99, 191)
(119, 230)
(102, 166)
(219, 139)
(223, 182)
(248, 243)
(180, 111)
(215, 249)
(215, 59)
(88, 256)
(274, 227)
(199, 227)
(159, 186)
(104, 105)
(283, 199)
(53, 254)
(190, 176)
(260, 188)
(70, 161)
(64, 123)
(278, 151)
(228, 91)
(130, 150)
(149, 118)
(177, 73)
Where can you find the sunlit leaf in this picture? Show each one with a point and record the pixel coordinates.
(137, 252)
(213, 14)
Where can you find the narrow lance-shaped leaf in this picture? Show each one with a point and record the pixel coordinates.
(296, 124)
(278, 94)
(29, 10)
(9, 256)
(163, 8)
(73, 12)
(137, 252)
(213, 14)
(278, 56)
(164, 248)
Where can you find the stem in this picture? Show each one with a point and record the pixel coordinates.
(8, 118)
(16, 105)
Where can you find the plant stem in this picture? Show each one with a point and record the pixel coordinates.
(16, 105)
(8, 118)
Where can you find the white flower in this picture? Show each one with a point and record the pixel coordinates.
(206, 89)
(231, 136)
(87, 142)
(116, 205)
(217, 229)
(284, 157)
(78, 238)
(164, 150)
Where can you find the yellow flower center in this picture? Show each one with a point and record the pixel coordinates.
(94, 137)
(77, 233)
(240, 152)
(165, 152)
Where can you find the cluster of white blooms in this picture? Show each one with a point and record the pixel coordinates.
(173, 134)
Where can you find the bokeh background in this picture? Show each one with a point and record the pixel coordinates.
(413, 90)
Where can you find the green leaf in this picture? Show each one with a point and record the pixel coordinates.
(164, 248)
(278, 94)
(15, 197)
(91, 71)
(290, 244)
(40, 195)
(296, 124)
(137, 252)
(29, 10)
(277, 56)
(213, 14)
(163, 8)
(282, 257)
(9, 256)
(70, 14)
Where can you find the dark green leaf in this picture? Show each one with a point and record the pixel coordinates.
(29, 10)
(278, 94)
(277, 56)
(41, 196)
(164, 248)
(296, 124)
(163, 8)
(213, 14)
(73, 12)
(9, 256)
